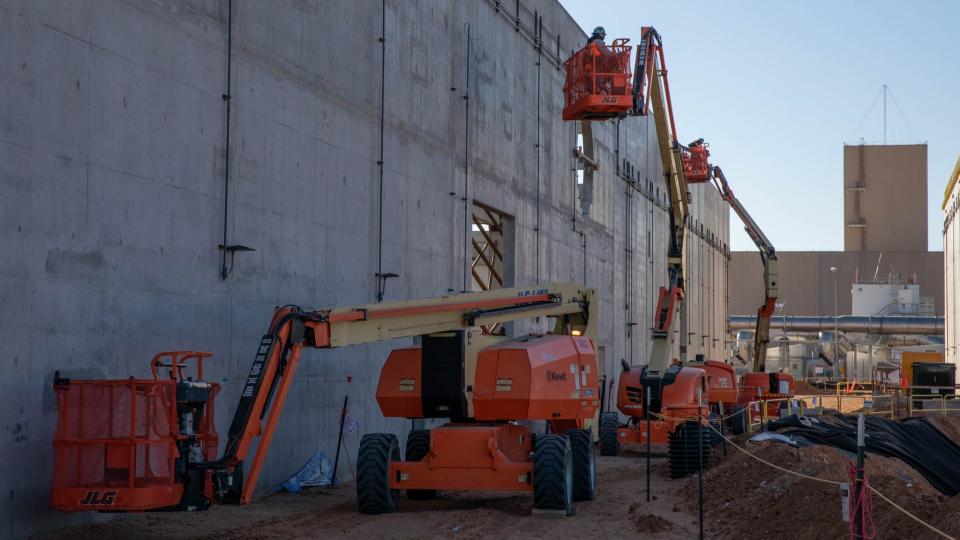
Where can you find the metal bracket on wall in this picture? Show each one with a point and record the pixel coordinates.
(382, 283)
(231, 250)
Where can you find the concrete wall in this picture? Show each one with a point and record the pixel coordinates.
(885, 197)
(806, 283)
(112, 196)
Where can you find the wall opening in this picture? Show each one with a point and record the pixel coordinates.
(491, 236)
(585, 166)
(492, 262)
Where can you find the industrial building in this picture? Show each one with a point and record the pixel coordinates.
(457, 266)
(885, 242)
(174, 170)
(885, 270)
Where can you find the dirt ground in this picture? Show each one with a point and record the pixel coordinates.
(743, 499)
(620, 510)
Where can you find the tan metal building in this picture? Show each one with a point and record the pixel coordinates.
(951, 264)
(885, 211)
(807, 284)
(885, 197)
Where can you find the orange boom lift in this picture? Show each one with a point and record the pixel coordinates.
(664, 398)
(133, 445)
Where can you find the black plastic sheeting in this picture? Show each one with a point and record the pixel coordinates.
(915, 441)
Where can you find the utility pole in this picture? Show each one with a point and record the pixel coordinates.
(836, 349)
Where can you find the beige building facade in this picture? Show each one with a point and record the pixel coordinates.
(885, 241)
(951, 265)
(885, 197)
(807, 284)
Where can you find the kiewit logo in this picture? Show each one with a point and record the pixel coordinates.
(99, 498)
(553, 376)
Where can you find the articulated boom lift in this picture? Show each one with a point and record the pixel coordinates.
(757, 383)
(159, 455)
(662, 397)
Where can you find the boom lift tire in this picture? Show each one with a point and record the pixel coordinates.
(609, 424)
(553, 474)
(418, 446)
(715, 437)
(685, 445)
(374, 495)
(738, 420)
(584, 464)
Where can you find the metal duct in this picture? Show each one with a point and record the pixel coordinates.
(898, 324)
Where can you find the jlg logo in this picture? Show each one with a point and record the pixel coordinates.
(609, 99)
(99, 498)
(553, 376)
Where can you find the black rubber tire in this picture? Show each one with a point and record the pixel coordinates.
(374, 495)
(715, 437)
(609, 424)
(418, 446)
(685, 445)
(553, 474)
(738, 420)
(584, 464)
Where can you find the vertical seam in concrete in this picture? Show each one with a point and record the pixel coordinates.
(466, 167)
(538, 23)
(226, 142)
(379, 279)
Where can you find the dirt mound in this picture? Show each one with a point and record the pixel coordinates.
(744, 496)
(651, 523)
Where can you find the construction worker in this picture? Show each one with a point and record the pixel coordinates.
(605, 63)
(598, 35)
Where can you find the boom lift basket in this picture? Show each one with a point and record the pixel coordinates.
(696, 167)
(598, 82)
(116, 443)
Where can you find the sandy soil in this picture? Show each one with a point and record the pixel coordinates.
(620, 510)
(743, 499)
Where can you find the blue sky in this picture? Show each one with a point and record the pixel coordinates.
(778, 87)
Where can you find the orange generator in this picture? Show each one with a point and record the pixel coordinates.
(134, 445)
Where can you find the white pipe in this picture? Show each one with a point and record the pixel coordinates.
(893, 324)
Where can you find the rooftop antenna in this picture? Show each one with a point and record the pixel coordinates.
(884, 114)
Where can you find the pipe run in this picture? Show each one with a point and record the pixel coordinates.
(892, 324)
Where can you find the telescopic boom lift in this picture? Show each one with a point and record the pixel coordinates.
(483, 383)
(768, 256)
(599, 87)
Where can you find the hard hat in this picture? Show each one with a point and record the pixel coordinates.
(599, 31)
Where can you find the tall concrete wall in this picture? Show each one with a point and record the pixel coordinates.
(806, 283)
(885, 197)
(112, 196)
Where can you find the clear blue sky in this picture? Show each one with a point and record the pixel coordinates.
(778, 87)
